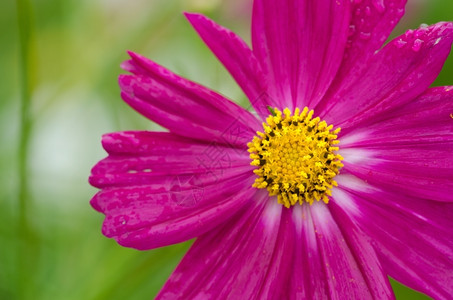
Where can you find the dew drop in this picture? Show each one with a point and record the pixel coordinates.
(379, 5)
(358, 11)
(368, 11)
(122, 220)
(351, 30)
(365, 35)
(417, 45)
(400, 43)
(348, 44)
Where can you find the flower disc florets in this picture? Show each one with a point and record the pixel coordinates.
(296, 157)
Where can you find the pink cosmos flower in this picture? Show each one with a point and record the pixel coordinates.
(282, 205)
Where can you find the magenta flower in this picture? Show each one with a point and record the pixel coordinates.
(284, 205)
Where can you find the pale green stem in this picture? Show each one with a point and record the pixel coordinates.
(24, 25)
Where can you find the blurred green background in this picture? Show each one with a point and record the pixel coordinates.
(58, 94)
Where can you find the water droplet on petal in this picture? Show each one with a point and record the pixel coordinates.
(368, 11)
(122, 220)
(379, 5)
(409, 33)
(417, 45)
(358, 11)
(365, 35)
(400, 43)
(351, 30)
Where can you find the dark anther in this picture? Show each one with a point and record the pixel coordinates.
(262, 162)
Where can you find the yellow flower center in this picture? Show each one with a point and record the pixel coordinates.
(296, 157)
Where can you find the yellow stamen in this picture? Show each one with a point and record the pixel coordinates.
(295, 156)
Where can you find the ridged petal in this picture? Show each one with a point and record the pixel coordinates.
(232, 261)
(410, 151)
(159, 188)
(237, 58)
(184, 107)
(140, 158)
(395, 75)
(144, 217)
(371, 23)
(412, 235)
(351, 267)
(300, 45)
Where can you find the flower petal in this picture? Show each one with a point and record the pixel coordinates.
(230, 262)
(300, 45)
(397, 74)
(160, 188)
(237, 57)
(184, 107)
(411, 150)
(270, 253)
(139, 158)
(370, 26)
(351, 266)
(145, 217)
(308, 279)
(425, 120)
(412, 235)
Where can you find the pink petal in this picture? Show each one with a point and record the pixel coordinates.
(351, 267)
(270, 253)
(300, 45)
(371, 23)
(145, 217)
(139, 158)
(425, 120)
(411, 151)
(160, 188)
(397, 74)
(413, 236)
(232, 261)
(237, 57)
(308, 279)
(184, 107)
